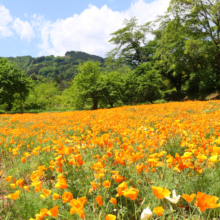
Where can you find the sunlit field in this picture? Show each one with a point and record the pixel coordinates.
(137, 162)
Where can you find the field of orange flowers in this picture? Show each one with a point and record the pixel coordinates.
(135, 162)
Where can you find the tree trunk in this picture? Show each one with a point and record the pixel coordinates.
(9, 106)
(178, 89)
(218, 70)
(95, 104)
(110, 102)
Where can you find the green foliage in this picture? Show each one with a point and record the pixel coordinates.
(201, 20)
(43, 96)
(76, 55)
(129, 43)
(50, 66)
(21, 62)
(68, 97)
(111, 87)
(173, 63)
(14, 85)
(143, 84)
(86, 84)
(150, 83)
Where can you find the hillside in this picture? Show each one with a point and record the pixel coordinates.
(50, 66)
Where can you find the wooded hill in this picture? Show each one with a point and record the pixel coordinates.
(50, 66)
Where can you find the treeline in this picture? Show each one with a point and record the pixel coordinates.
(50, 66)
(182, 56)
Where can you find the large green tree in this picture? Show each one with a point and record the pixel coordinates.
(111, 87)
(142, 84)
(13, 84)
(87, 84)
(43, 96)
(202, 20)
(172, 60)
(130, 42)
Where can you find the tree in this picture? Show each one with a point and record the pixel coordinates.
(173, 61)
(13, 84)
(149, 83)
(87, 84)
(202, 19)
(43, 96)
(130, 44)
(142, 84)
(111, 86)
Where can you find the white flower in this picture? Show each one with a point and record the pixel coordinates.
(175, 198)
(146, 214)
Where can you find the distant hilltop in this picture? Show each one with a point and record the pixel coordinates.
(51, 66)
(83, 56)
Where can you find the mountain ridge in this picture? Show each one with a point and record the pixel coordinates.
(51, 66)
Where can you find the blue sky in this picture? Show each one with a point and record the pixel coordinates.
(45, 27)
(54, 9)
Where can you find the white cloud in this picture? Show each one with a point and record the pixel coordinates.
(23, 29)
(5, 19)
(90, 30)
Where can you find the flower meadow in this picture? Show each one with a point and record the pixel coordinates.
(135, 162)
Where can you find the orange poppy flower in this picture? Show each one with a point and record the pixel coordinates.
(83, 200)
(37, 186)
(79, 160)
(8, 178)
(158, 210)
(43, 212)
(13, 185)
(106, 184)
(99, 175)
(77, 206)
(94, 185)
(56, 196)
(26, 154)
(98, 166)
(132, 193)
(160, 193)
(53, 212)
(45, 193)
(26, 188)
(38, 217)
(23, 159)
(20, 183)
(14, 196)
(113, 201)
(99, 200)
(110, 217)
(61, 182)
(67, 196)
(81, 214)
(118, 178)
(121, 188)
(188, 198)
(109, 153)
(204, 201)
(51, 167)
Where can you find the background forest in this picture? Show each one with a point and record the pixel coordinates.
(175, 57)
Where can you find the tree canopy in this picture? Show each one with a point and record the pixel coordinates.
(130, 41)
(13, 84)
(86, 83)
